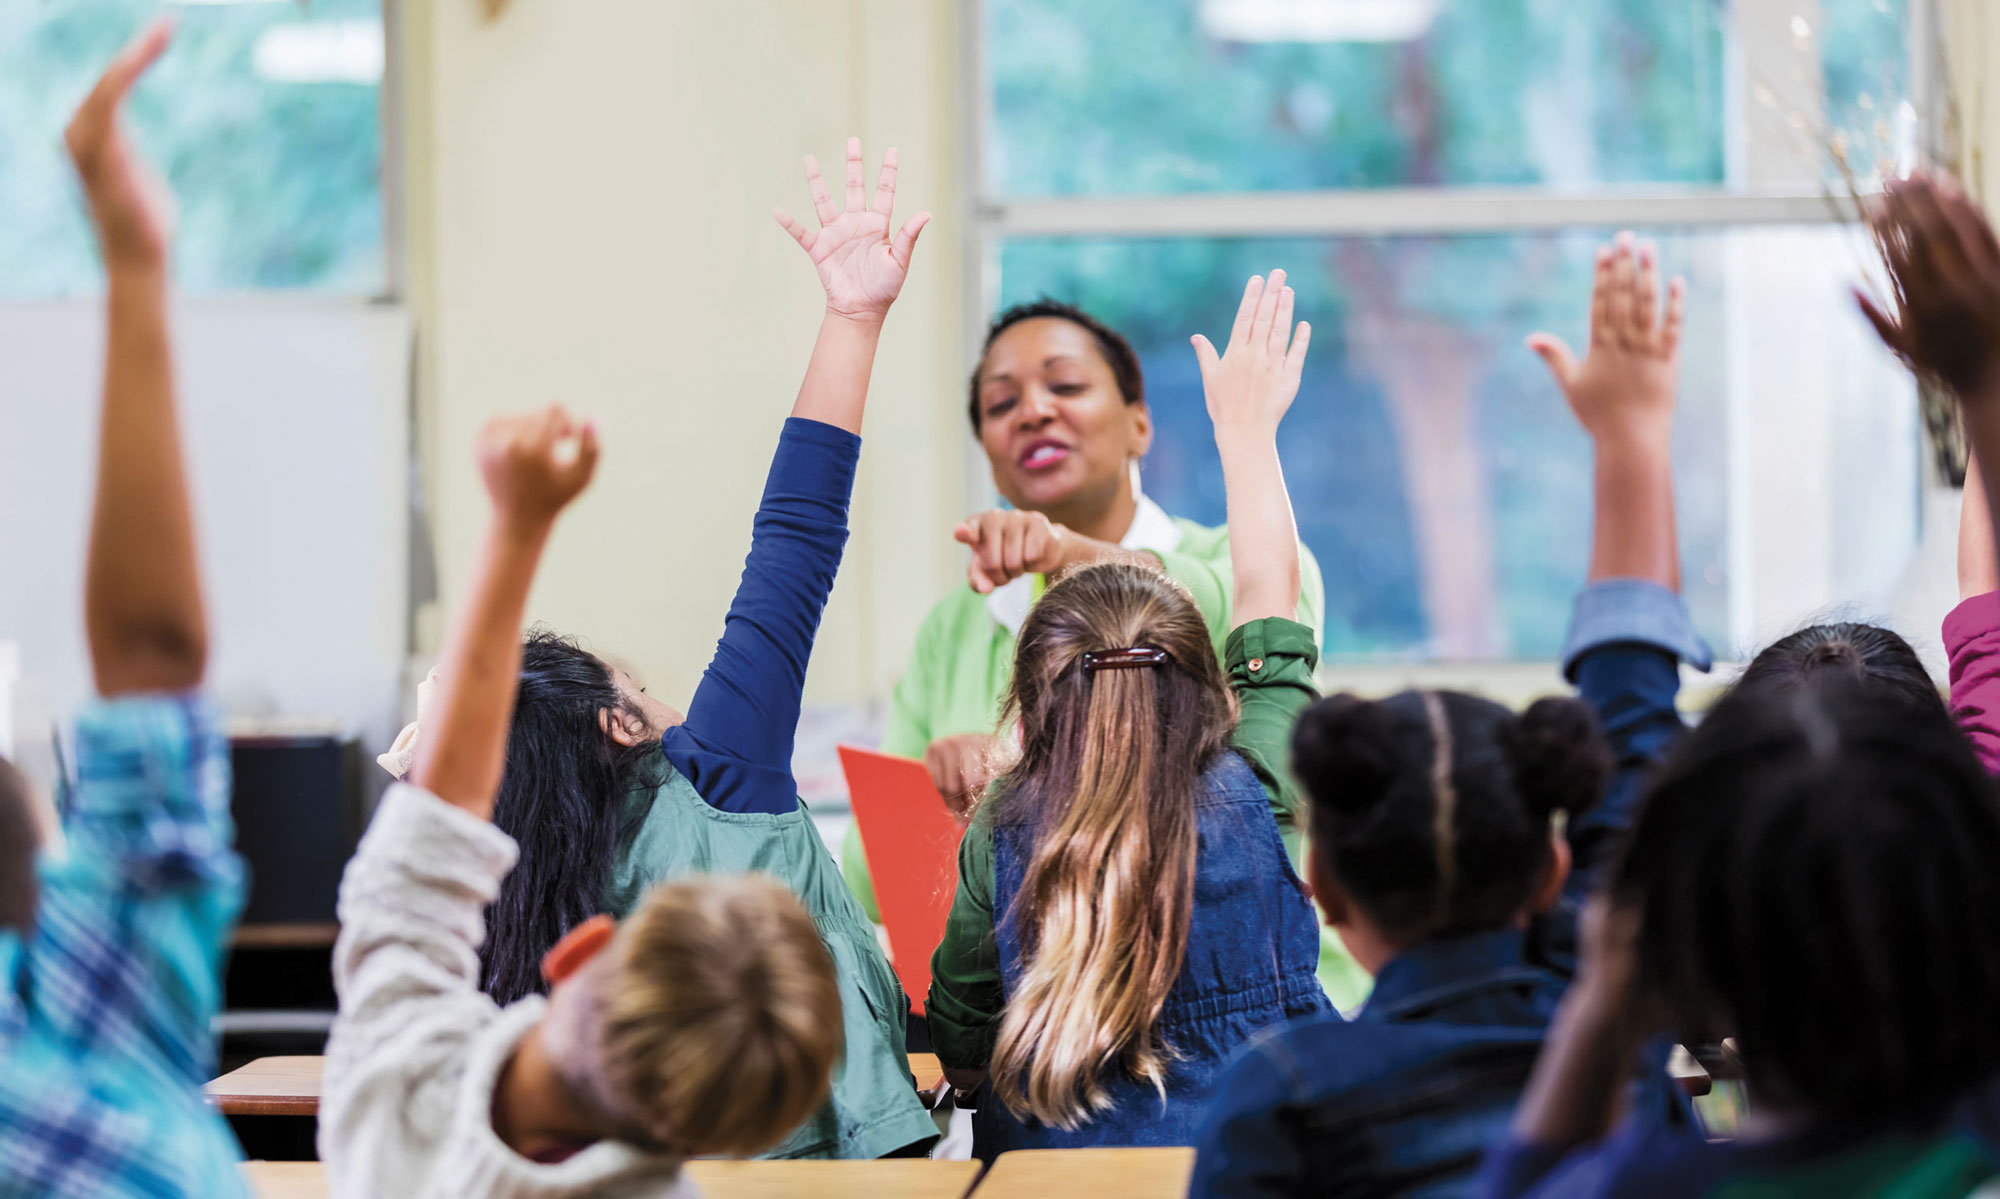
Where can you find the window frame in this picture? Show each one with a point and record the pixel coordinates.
(1768, 187)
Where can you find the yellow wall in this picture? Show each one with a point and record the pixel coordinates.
(591, 185)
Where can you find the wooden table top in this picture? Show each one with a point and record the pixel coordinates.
(270, 1086)
(286, 1180)
(910, 1178)
(900, 1179)
(1098, 1173)
(289, 1086)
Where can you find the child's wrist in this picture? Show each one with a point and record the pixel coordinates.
(865, 322)
(1246, 434)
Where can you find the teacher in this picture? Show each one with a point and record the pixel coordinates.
(1059, 405)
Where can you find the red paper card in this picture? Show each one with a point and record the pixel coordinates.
(911, 843)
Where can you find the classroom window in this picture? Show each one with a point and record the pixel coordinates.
(264, 117)
(1434, 176)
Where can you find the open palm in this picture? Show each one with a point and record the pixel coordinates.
(859, 264)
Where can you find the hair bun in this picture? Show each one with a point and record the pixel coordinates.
(1560, 759)
(1343, 752)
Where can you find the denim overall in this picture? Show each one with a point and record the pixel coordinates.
(1252, 949)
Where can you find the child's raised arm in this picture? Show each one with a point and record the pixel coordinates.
(736, 746)
(1623, 396)
(1250, 387)
(534, 465)
(1944, 269)
(142, 589)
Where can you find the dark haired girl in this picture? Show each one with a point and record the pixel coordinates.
(1433, 842)
(609, 791)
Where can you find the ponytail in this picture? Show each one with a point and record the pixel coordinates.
(1104, 794)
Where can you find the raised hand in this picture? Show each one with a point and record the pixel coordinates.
(1251, 385)
(535, 463)
(860, 266)
(1944, 269)
(129, 205)
(1628, 377)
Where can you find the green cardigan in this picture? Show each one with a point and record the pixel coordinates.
(873, 1109)
(963, 659)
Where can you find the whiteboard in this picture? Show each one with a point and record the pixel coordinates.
(296, 418)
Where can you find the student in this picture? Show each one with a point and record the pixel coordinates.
(1058, 403)
(608, 790)
(111, 947)
(1812, 873)
(699, 1026)
(1433, 838)
(1126, 916)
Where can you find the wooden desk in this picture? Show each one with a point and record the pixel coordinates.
(286, 1180)
(289, 1086)
(912, 1178)
(1098, 1173)
(270, 1086)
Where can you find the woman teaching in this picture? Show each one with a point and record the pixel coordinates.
(1058, 403)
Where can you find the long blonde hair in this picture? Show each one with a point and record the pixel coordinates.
(1106, 783)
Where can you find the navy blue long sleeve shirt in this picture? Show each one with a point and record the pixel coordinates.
(736, 745)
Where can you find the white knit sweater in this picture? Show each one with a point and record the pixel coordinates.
(406, 1107)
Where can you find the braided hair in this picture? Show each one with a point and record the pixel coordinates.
(1433, 808)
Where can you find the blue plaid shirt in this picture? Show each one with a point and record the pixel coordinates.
(105, 1010)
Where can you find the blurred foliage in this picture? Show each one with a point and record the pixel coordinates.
(1130, 97)
(279, 184)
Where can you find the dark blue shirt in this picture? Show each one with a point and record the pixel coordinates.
(736, 745)
(1407, 1098)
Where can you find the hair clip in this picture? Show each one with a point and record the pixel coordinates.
(1135, 658)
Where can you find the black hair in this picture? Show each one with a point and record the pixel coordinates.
(1845, 654)
(563, 798)
(1814, 873)
(1424, 860)
(20, 839)
(1117, 352)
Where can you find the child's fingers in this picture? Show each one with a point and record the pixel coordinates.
(1204, 354)
(857, 198)
(977, 577)
(1623, 285)
(1600, 299)
(1246, 312)
(585, 464)
(1885, 328)
(1295, 361)
(1670, 326)
(885, 184)
(1646, 294)
(1556, 355)
(139, 53)
(905, 244)
(1267, 309)
(1281, 323)
(822, 198)
(965, 534)
(800, 234)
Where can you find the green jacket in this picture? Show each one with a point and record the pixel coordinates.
(963, 659)
(873, 1109)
